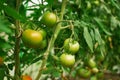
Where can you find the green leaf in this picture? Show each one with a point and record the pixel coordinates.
(2, 73)
(98, 36)
(4, 44)
(102, 26)
(13, 13)
(88, 38)
(115, 4)
(100, 41)
(4, 25)
(50, 2)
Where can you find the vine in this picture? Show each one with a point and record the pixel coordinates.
(53, 38)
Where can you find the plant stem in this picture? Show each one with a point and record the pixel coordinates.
(17, 45)
(51, 43)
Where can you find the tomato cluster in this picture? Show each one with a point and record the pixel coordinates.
(37, 39)
(70, 48)
(90, 69)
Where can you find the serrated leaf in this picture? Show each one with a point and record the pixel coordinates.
(88, 38)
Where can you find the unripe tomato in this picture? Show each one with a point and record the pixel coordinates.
(96, 2)
(71, 46)
(84, 73)
(1, 60)
(32, 38)
(49, 19)
(43, 33)
(67, 60)
(93, 78)
(95, 70)
(100, 57)
(43, 44)
(26, 77)
(91, 63)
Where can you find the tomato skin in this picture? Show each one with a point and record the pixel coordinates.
(95, 70)
(93, 78)
(84, 73)
(71, 46)
(43, 33)
(49, 19)
(43, 44)
(67, 60)
(26, 77)
(91, 63)
(96, 2)
(32, 38)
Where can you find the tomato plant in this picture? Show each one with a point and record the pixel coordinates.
(32, 38)
(67, 60)
(52, 39)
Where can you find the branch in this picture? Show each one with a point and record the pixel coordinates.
(51, 43)
(17, 45)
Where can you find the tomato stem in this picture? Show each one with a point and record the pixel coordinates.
(53, 38)
(17, 44)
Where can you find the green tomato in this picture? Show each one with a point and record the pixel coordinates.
(32, 38)
(84, 73)
(71, 46)
(95, 70)
(49, 19)
(91, 63)
(43, 33)
(100, 57)
(93, 78)
(96, 2)
(67, 60)
(43, 44)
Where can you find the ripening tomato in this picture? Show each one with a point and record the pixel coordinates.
(49, 19)
(32, 38)
(67, 60)
(71, 46)
(84, 73)
(26, 77)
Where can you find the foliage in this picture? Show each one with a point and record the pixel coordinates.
(95, 24)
